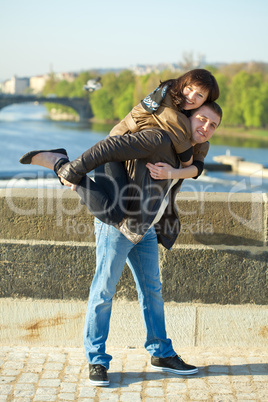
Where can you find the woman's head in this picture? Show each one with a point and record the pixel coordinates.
(194, 88)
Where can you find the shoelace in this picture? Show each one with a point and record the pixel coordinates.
(98, 369)
(178, 356)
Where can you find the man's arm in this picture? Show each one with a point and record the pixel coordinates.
(113, 149)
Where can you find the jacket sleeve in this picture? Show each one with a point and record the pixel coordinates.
(199, 153)
(113, 149)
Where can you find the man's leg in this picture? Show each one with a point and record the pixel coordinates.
(112, 249)
(143, 262)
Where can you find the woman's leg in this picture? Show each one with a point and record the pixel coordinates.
(105, 196)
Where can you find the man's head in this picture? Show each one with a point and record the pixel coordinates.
(204, 122)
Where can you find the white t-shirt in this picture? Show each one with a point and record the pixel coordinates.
(164, 204)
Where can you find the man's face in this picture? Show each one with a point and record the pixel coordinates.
(203, 124)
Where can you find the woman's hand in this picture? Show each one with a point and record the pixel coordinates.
(160, 170)
(68, 184)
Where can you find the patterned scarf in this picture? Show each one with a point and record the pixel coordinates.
(152, 101)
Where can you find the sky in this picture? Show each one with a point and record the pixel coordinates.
(38, 37)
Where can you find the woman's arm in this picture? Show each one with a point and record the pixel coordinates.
(188, 163)
(160, 171)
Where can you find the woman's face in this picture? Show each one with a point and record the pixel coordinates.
(195, 96)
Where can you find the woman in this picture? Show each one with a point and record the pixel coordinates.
(166, 108)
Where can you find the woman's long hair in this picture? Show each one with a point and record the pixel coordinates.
(199, 77)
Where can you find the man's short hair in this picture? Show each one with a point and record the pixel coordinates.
(212, 106)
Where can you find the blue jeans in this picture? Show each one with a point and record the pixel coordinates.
(113, 250)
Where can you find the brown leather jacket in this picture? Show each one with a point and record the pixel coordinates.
(145, 195)
(166, 117)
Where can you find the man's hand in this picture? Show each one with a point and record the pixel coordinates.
(68, 184)
(160, 170)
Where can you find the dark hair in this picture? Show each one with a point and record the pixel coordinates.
(212, 106)
(200, 77)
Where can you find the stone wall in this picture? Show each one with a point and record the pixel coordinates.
(48, 249)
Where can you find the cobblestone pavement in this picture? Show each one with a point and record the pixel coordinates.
(61, 374)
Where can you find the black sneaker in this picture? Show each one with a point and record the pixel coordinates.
(172, 364)
(98, 375)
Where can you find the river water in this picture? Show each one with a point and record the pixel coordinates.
(27, 126)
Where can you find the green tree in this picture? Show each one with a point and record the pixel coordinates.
(123, 100)
(255, 106)
(102, 105)
(222, 81)
(102, 100)
(51, 85)
(124, 103)
(233, 110)
(245, 100)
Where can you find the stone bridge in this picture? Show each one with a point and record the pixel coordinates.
(80, 105)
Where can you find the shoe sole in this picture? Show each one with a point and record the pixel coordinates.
(99, 383)
(170, 370)
(26, 159)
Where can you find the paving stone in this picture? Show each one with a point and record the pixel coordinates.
(46, 391)
(66, 396)
(23, 393)
(49, 382)
(53, 366)
(50, 374)
(45, 398)
(154, 391)
(67, 387)
(28, 378)
(87, 392)
(131, 396)
(6, 380)
(14, 365)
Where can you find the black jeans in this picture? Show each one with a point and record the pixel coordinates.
(105, 196)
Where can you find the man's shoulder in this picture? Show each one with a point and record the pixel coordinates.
(154, 134)
(201, 149)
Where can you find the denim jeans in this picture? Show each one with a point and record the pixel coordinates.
(106, 196)
(113, 250)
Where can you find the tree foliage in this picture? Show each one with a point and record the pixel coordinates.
(243, 92)
(246, 100)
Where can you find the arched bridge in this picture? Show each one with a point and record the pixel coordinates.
(80, 105)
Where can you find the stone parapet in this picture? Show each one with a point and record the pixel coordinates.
(48, 249)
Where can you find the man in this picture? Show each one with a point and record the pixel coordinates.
(135, 240)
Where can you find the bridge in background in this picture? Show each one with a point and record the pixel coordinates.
(80, 105)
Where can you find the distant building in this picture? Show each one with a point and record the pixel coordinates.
(70, 77)
(37, 83)
(148, 69)
(15, 85)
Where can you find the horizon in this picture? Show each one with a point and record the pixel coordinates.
(102, 70)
